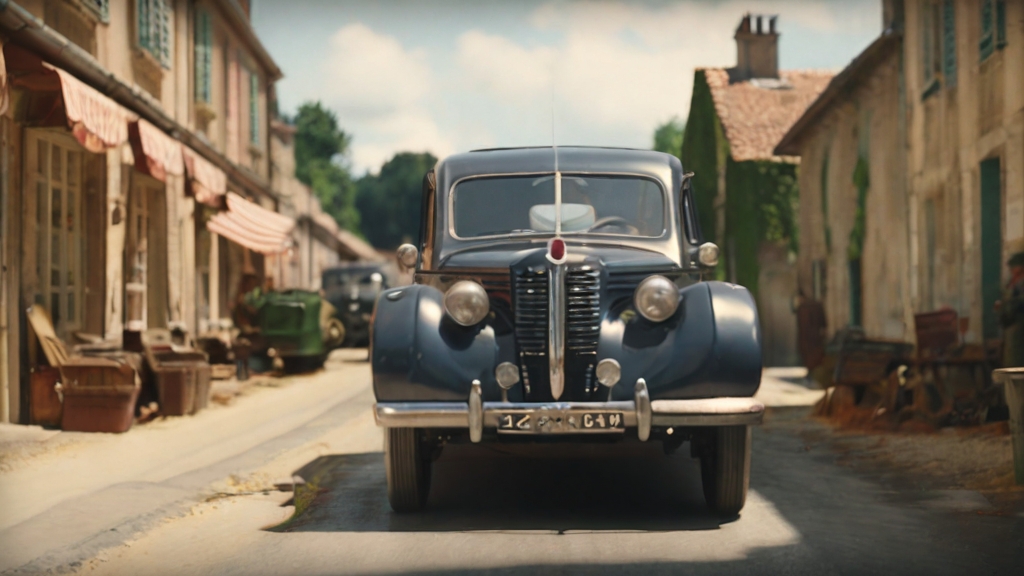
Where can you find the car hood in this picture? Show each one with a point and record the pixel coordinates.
(615, 257)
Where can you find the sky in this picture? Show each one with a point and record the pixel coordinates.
(446, 76)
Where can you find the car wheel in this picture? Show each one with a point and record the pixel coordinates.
(725, 469)
(407, 465)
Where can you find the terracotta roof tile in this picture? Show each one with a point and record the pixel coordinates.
(757, 113)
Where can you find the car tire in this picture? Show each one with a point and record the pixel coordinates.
(407, 466)
(725, 469)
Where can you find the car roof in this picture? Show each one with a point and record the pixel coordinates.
(541, 159)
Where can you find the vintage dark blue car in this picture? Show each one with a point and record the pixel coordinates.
(562, 292)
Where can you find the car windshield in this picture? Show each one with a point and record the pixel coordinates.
(620, 205)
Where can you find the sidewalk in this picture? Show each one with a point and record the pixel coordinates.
(59, 488)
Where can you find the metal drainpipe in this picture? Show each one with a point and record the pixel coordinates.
(5, 365)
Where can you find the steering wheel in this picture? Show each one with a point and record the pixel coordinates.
(608, 221)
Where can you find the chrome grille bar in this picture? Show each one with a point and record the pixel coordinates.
(556, 330)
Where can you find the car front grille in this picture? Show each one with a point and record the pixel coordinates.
(583, 311)
(583, 325)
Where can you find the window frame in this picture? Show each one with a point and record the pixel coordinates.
(666, 213)
(254, 108)
(203, 56)
(931, 26)
(992, 21)
(153, 29)
(69, 289)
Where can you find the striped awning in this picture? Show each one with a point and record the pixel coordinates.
(156, 153)
(253, 226)
(4, 91)
(207, 183)
(97, 122)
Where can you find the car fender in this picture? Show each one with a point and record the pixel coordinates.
(710, 347)
(419, 354)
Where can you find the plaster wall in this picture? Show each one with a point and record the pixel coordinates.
(864, 122)
(950, 132)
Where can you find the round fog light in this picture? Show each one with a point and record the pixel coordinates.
(608, 372)
(507, 375)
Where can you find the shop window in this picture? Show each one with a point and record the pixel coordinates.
(56, 178)
(203, 56)
(146, 293)
(154, 29)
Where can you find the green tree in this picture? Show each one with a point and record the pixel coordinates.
(320, 148)
(390, 201)
(668, 137)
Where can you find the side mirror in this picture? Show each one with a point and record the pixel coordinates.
(407, 255)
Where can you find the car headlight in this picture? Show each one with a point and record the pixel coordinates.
(656, 298)
(466, 302)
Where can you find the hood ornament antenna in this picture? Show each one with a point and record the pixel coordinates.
(556, 290)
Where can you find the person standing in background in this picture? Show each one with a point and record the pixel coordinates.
(1011, 313)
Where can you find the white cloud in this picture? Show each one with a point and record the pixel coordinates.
(378, 87)
(612, 71)
(618, 71)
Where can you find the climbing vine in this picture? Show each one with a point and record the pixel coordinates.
(861, 181)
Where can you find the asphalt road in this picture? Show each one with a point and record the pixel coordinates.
(558, 509)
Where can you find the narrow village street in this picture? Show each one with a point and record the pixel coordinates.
(210, 495)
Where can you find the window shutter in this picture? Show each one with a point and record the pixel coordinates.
(987, 43)
(203, 56)
(154, 23)
(254, 108)
(142, 11)
(163, 22)
(949, 43)
(927, 51)
(1000, 23)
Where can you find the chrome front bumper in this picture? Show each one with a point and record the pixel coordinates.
(558, 417)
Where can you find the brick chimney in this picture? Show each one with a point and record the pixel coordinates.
(757, 48)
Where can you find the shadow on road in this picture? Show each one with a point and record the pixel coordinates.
(514, 487)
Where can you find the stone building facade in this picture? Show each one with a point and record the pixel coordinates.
(912, 170)
(136, 189)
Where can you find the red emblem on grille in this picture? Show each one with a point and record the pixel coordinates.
(556, 249)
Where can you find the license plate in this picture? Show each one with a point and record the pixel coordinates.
(561, 423)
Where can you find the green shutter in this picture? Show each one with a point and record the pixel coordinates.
(163, 22)
(154, 24)
(142, 11)
(949, 43)
(987, 43)
(203, 56)
(254, 116)
(1000, 23)
(856, 293)
(991, 245)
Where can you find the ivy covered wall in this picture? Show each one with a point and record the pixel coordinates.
(761, 205)
(761, 196)
(704, 150)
